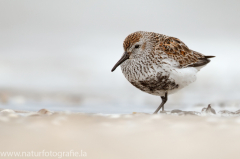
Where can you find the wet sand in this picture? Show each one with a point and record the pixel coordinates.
(98, 136)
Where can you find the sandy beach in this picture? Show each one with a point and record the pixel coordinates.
(138, 135)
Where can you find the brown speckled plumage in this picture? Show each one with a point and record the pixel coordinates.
(156, 63)
(173, 47)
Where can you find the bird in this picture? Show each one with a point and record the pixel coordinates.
(159, 64)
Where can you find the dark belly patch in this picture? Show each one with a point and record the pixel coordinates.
(158, 83)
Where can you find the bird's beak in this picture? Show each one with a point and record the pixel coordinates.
(123, 58)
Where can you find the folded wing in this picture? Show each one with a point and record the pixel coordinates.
(178, 51)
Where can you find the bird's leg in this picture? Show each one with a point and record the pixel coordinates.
(164, 100)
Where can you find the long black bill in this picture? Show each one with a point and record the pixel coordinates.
(123, 58)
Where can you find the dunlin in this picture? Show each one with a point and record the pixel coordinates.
(159, 64)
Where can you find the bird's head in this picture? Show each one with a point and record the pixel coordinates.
(134, 46)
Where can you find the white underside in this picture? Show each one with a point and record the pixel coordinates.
(183, 77)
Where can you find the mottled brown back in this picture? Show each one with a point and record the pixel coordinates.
(179, 51)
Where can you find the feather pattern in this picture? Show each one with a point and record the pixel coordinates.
(160, 63)
(177, 50)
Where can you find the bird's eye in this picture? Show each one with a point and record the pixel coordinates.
(136, 46)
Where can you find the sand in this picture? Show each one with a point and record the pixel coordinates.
(170, 135)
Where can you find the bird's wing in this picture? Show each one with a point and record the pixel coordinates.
(178, 51)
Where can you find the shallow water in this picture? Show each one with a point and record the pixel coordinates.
(108, 107)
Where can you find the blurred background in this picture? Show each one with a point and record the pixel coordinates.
(57, 54)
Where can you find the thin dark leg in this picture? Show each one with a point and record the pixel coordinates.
(164, 100)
